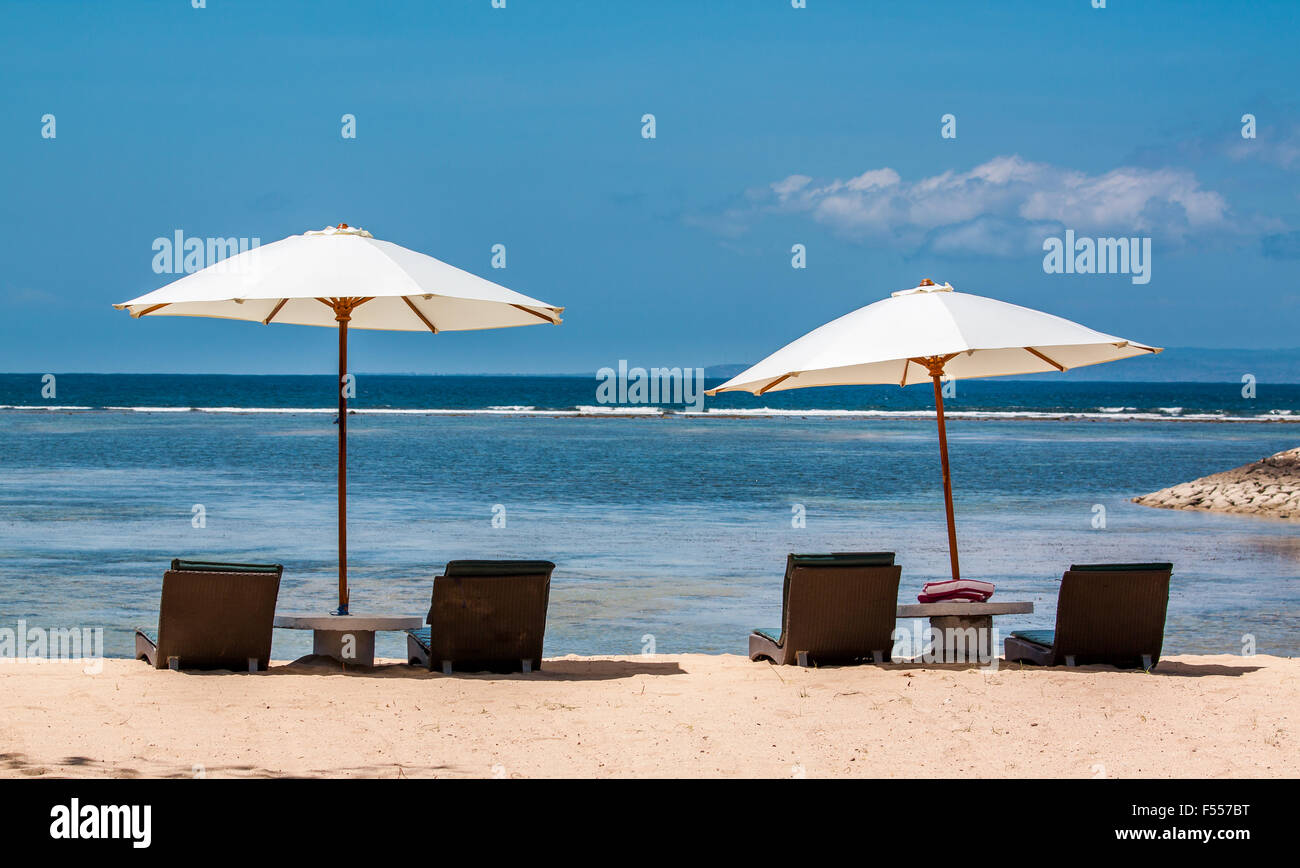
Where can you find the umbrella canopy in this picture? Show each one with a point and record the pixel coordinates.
(932, 332)
(343, 277)
(886, 342)
(298, 279)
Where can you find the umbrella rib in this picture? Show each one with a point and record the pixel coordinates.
(351, 302)
(151, 309)
(276, 310)
(775, 383)
(424, 319)
(1052, 362)
(550, 320)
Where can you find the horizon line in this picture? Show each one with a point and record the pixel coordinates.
(593, 374)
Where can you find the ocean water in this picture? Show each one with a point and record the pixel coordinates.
(1041, 397)
(670, 525)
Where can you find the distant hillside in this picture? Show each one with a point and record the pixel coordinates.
(723, 372)
(1198, 365)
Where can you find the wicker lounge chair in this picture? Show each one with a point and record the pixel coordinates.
(485, 615)
(1105, 613)
(213, 616)
(836, 608)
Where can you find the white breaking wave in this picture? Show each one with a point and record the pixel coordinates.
(772, 411)
(42, 407)
(453, 411)
(162, 409)
(1120, 414)
(352, 411)
(1058, 415)
(619, 410)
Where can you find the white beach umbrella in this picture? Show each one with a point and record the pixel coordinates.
(343, 277)
(932, 333)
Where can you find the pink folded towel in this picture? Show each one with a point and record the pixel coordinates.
(964, 590)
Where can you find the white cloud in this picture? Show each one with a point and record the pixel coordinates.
(1281, 150)
(1003, 207)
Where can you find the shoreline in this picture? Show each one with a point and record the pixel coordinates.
(689, 715)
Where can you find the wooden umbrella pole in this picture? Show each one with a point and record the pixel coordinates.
(343, 311)
(935, 374)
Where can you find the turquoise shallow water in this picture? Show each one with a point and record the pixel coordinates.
(674, 527)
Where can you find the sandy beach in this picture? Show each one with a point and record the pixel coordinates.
(673, 716)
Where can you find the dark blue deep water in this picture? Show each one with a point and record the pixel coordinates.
(379, 392)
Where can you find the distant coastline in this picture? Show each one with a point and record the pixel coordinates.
(1175, 365)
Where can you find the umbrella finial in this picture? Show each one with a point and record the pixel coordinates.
(925, 286)
(340, 229)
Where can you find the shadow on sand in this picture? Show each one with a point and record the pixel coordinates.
(609, 670)
(1165, 668)
(1170, 668)
(551, 670)
(83, 768)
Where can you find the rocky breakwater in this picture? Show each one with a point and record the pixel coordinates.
(1269, 487)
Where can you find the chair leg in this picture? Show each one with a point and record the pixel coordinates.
(1069, 660)
(174, 663)
(528, 666)
(1146, 661)
(252, 664)
(878, 656)
(446, 667)
(802, 658)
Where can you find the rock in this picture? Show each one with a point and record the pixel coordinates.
(1269, 487)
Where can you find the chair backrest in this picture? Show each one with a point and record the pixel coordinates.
(217, 616)
(180, 564)
(1112, 613)
(840, 607)
(489, 614)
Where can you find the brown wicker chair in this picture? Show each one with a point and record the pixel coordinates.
(485, 615)
(1105, 613)
(213, 616)
(836, 608)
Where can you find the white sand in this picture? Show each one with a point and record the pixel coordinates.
(688, 715)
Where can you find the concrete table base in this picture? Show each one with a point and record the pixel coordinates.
(349, 639)
(963, 638)
(963, 631)
(352, 646)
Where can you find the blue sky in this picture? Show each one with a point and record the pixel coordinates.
(522, 126)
